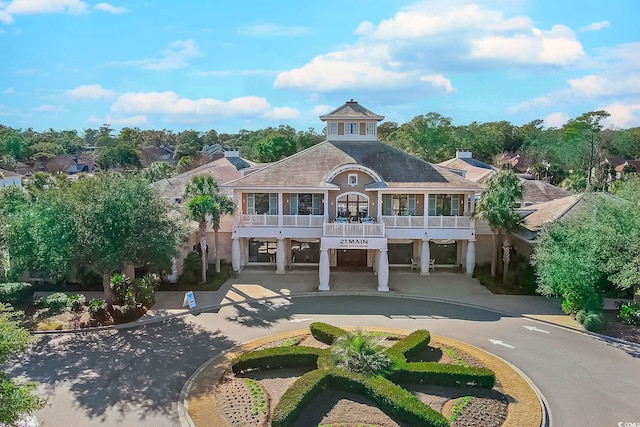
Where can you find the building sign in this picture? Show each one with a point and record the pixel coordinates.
(353, 243)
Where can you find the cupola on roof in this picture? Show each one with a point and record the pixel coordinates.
(349, 111)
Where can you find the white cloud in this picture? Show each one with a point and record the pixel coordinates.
(321, 109)
(622, 115)
(556, 120)
(139, 120)
(174, 57)
(415, 49)
(595, 26)
(8, 91)
(271, 30)
(50, 108)
(176, 108)
(106, 7)
(5, 18)
(89, 92)
(28, 7)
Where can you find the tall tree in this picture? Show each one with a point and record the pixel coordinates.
(200, 193)
(222, 205)
(585, 130)
(496, 206)
(429, 137)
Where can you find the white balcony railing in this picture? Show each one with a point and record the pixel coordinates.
(256, 220)
(335, 229)
(396, 221)
(302, 220)
(449, 222)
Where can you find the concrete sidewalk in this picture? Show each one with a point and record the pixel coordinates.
(445, 286)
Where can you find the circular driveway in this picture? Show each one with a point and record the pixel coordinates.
(133, 377)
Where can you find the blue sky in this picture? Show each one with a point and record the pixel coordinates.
(73, 64)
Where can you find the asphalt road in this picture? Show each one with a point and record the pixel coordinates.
(134, 377)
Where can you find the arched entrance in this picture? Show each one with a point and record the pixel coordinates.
(352, 205)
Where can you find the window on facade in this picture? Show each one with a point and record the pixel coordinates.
(306, 204)
(260, 251)
(353, 206)
(399, 204)
(444, 204)
(305, 252)
(371, 128)
(351, 128)
(262, 203)
(333, 128)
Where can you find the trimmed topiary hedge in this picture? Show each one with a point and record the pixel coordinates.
(434, 373)
(390, 398)
(412, 345)
(325, 333)
(278, 357)
(594, 321)
(15, 293)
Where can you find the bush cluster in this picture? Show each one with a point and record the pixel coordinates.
(97, 308)
(592, 320)
(630, 313)
(76, 302)
(134, 293)
(56, 302)
(15, 293)
(442, 374)
(278, 357)
(413, 345)
(391, 398)
(325, 333)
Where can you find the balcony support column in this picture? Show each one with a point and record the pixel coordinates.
(235, 254)
(425, 258)
(383, 271)
(324, 270)
(280, 257)
(471, 256)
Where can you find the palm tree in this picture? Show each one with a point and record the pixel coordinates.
(201, 192)
(496, 205)
(361, 352)
(222, 205)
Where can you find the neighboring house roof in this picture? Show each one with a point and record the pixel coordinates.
(311, 168)
(549, 211)
(474, 170)
(351, 110)
(222, 170)
(6, 174)
(615, 161)
(535, 191)
(634, 163)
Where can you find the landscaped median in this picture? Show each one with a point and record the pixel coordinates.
(201, 407)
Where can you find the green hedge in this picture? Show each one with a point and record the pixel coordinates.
(434, 373)
(326, 333)
(278, 357)
(390, 398)
(15, 293)
(413, 345)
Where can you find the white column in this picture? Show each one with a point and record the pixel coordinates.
(383, 271)
(471, 256)
(426, 210)
(324, 270)
(380, 211)
(425, 258)
(280, 257)
(235, 254)
(376, 262)
(326, 206)
(463, 260)
(280, 209)
(173, 277)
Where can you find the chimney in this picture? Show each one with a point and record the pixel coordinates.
(463, 154)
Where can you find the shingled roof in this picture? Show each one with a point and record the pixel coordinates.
(351, 110)
(311, 168)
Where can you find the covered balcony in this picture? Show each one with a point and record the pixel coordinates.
(355, 229)
(439, 221)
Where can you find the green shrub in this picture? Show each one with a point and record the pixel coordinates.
(325, 333)
(191, 269)
(392, 399)
(594, 321)
(434, 373)
(567, 307)
(56, 302)
(630, 313)
(144, 289)
(120, 286)
(126, 313)
(97, 308)
(413, 345)
(359, 351)
(76, 302)
(278, 357)
(15, 293)
(580, 315)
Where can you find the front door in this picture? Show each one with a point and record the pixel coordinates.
(352, 257)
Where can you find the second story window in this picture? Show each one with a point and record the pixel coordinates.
(351, 128)
(444, 204)
(371, 128)
(333, 129)
(262, 203)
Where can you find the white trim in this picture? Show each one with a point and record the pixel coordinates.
(353, 167)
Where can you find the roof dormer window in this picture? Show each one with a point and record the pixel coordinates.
(351, 129)
(333, 128)
(371, 128)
